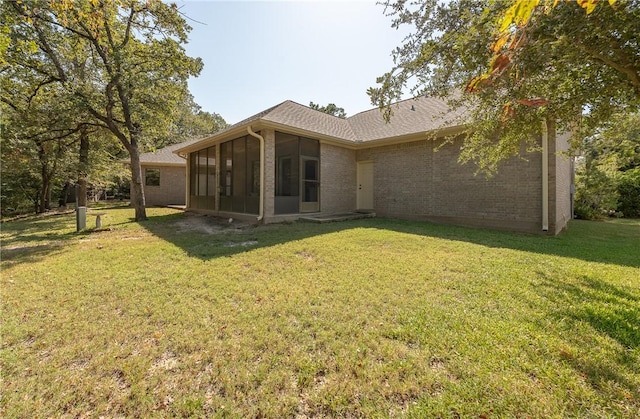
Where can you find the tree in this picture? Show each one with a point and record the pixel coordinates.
(121, 61)
(190, 121)
(41, 126)
(331, 109)
(20, 181)
(46, 149)
(608, 173)
(567, 66)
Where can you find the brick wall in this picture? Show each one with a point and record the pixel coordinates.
(337, 179)
(269, 136)
(402, 182)
(423, 180)
(172, 186)
(562, 179)
(420, 180)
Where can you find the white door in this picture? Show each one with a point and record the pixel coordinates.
(365, 185)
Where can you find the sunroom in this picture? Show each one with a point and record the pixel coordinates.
(250, 177)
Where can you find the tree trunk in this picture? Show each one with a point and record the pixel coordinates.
(82, 168)
(137, 191)
(45, 193)
(64, 195)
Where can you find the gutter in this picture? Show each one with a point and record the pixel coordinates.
(545, 176)
(261, 203)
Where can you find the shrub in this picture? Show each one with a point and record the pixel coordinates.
(596, 193)
(629, 193)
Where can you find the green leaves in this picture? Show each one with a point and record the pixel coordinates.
(118, 65)
(607, 171)
(516, 63)
(331, 109)
(519, 14)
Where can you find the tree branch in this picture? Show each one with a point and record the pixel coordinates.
(41, 84)
(628, 70)
(44, 44)
(8, 102)
(127, 32)
(64, 134)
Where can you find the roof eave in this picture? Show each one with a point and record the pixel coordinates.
(344, 142)
(211, 140)
(257, 126)
(164, 164)
(421, 135)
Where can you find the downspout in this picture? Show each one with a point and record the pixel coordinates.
(187, 192)
(545, 176)
(261, 203)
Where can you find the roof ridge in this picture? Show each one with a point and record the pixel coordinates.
(392, 104)
(260, 114)
(316, 110)
(316, 114)
(361, 127)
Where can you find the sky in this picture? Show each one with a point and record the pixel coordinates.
(257, 54)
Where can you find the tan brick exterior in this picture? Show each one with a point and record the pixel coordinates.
(412, 177)
(423, 180)
(172, 186)
(560, 179)
(338, 179)
(269, 136)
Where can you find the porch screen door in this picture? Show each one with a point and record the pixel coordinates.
(309, 184)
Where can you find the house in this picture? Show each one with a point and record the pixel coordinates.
(164, 174)
(290, 161)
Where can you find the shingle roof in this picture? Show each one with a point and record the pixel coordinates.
(411, 116)
(166, 155)
(302, 117)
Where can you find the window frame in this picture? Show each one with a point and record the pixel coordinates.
(147, 172)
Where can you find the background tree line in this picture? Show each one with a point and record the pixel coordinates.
(86, 84)
(82, 81)
(608, 171)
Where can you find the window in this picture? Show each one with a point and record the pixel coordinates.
(152, 177)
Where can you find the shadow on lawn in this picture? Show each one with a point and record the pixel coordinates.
(34, 239)
(611, 311)
(208, 237)
(609, 243)
(28, 253)
(592, 241)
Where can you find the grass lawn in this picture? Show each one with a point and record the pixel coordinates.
(180, 317)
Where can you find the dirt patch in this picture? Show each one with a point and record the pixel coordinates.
(208, 224)
(242, 244)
